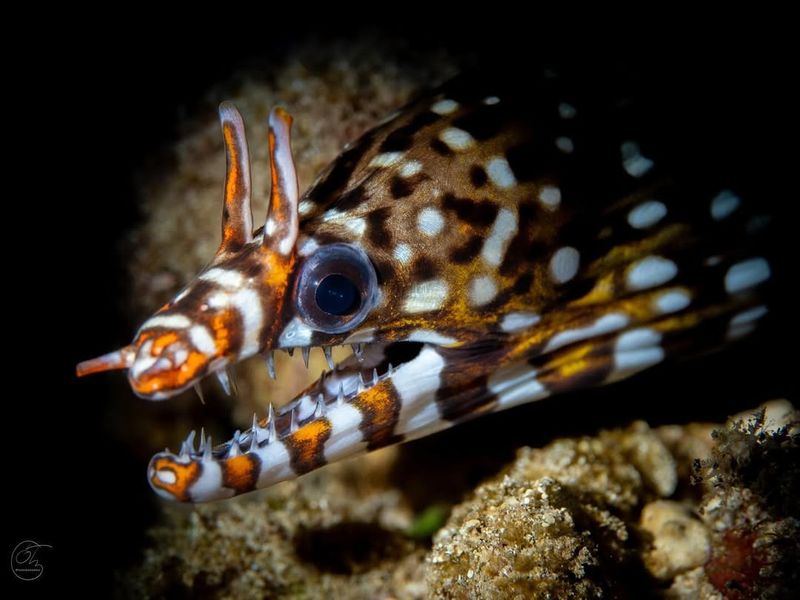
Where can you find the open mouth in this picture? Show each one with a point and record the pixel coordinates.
(367, 367)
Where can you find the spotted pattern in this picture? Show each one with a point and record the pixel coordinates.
(525, 241)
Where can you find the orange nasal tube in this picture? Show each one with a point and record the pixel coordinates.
(119, 359)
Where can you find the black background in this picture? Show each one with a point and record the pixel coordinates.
(90, 99)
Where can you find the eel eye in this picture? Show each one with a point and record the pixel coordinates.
(336, 288)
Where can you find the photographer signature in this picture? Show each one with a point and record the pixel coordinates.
(25, 562)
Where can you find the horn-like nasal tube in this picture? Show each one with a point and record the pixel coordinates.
(119, 359)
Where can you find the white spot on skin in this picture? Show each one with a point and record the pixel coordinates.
(566, 111)
(724, 204)
(270, 226)
(430, 337)
(745, 322)
(482, 289)
(167, 321)
(564, 264)
(457, 139)
(503, 229)
(636, 350)
(286, 245)
(500, 173)
(202, 339)
(425, 296)
(331, 215)
(605, 324)
(672, 301)
(357, 225)
(218, 300)
(166, 476)
(224, 278)
(518, 321)
(633, 162)
(402, 253)
(308, 246)
(550, 197)
(491, 100)
(444, 107)
(565, 144)
(746, 274)
(650, 272)
(387, 159)
(430, 221)
(296, 333)
(749, 315)
(305, 207)
(181, 354)
(647, 214)
(514, 385)
(410, 168)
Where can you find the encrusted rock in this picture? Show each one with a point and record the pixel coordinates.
(680, 541)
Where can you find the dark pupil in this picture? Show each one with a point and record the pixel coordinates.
(337, 295)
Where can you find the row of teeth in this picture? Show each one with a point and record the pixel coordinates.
(228, 381)
(358, 352)
(258, 436)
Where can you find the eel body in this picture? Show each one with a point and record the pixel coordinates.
(490, 244)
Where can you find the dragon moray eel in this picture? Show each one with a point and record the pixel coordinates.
(486, 246)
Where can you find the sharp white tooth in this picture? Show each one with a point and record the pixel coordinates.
(326, 350)
(321, 409)
(199, 391)
(254, 434)
(202, 445)
(340, 395)
(390, 370)
(225, 382)
(293, 422)
(207, 450)
(361, 386)
(306, 350)
(358, 350)
(271, 432)
(271, 364)
(233, 449)
(374, 376)
(187, 447)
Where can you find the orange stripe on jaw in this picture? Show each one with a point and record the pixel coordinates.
(380, 407)
(306, 446)
(185, 476)
(174, 378)
(241, 472)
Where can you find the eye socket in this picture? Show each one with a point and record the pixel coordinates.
(336, 288)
